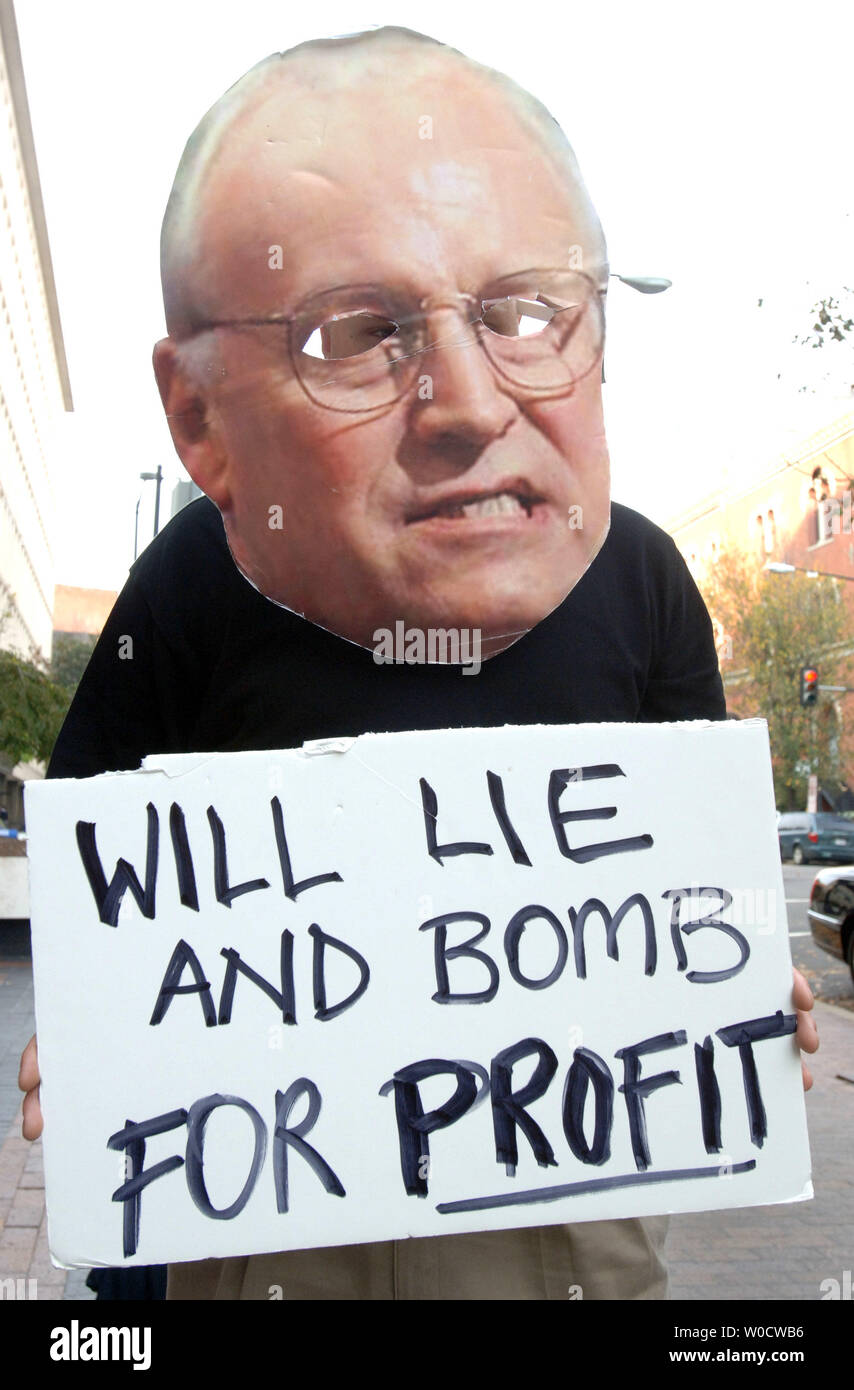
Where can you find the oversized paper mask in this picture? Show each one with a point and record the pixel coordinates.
(384, 288)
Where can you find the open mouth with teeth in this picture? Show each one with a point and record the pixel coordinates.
(480, 507)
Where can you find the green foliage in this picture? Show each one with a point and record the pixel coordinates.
(777, 624)
(832, 323)
(32, 708)
(69, 658)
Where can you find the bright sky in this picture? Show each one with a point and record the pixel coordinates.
(715, 141)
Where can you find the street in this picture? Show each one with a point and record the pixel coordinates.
(829, 978)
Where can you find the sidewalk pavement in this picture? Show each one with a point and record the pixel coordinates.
(24, 1254)
(785, 1251)
(781, 1252)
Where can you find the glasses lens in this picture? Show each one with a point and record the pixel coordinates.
(350, 335)
(357, 349)
(348, 348)
(547, 333)
(516, 317)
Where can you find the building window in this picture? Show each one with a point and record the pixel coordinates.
(820, 483)
(825, 521)
(770, 532)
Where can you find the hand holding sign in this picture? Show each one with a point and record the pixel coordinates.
(807, 1034)
(29, 1078)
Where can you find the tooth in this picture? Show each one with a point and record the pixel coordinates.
(502, 505)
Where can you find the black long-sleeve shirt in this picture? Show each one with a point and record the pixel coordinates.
(194, 659)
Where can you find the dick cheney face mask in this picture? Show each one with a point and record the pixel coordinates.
(384, 288)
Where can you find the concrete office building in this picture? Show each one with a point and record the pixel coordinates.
(34, 383)
(34, 387)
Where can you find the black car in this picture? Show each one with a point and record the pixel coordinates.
(831, 912)
(809, 835)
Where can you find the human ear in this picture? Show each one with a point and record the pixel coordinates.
(192, 423)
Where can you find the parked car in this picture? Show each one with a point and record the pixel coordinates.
(808, 835)
(831, 913)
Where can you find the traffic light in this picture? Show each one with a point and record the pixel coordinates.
(809, 685)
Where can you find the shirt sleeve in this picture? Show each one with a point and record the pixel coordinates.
(153, 662)
(118, 713)
(684, 679)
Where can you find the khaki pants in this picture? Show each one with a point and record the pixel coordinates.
(592, 1260)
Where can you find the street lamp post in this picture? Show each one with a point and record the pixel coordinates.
(779, 567)
(158, 479)
(148, 478)
(644, 284)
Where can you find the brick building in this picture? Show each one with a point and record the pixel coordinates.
(81, 612)
(797, 510)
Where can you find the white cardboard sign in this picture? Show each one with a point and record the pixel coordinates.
(412, 984)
